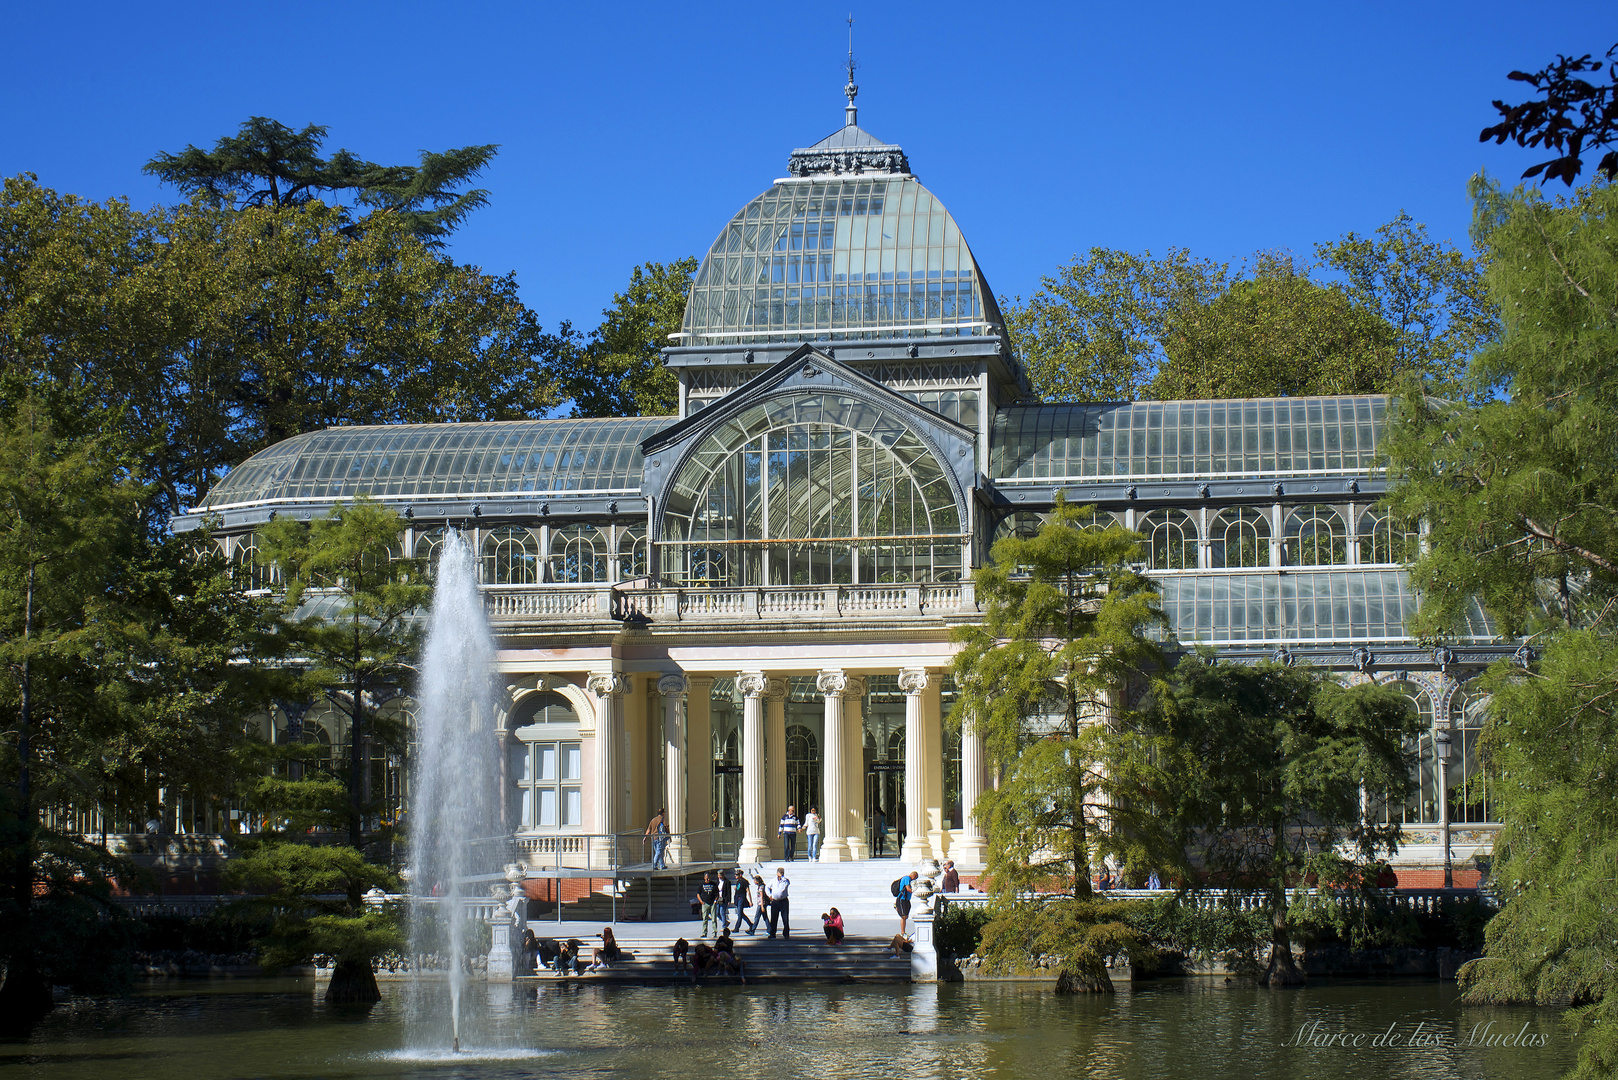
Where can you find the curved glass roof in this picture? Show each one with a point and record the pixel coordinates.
(1191, 439)
(839, 258)
(443, 459)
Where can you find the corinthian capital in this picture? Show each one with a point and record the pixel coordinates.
(751, 683)
(831, 681)
(777, 690)
(671, 684)
(607, 683)
(913, 680)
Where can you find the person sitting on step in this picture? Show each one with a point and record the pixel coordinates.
(832, 923)
(682, 956)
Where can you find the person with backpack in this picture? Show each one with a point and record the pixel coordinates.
(902, 889)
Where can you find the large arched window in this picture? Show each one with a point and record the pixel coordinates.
(1383, 540)
(429, 545)
(1027, 523)
(1421, 804)
(1239, 538)
(1316, 536)
(248, 568)
(578, 554)
(510, 557)
(811, 489)
(1470, 798)
(631, 553)
(1171, 540)
(547, 764)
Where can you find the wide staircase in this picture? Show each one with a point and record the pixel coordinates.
(804, 957)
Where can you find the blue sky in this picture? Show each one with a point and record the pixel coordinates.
(633, 131)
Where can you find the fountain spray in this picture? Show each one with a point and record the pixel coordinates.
(455, 750)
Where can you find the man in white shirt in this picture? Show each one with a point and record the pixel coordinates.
(779, 905)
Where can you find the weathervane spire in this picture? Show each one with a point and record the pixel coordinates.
(851, 90)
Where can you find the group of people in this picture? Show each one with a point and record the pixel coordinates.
(790, 826)
(720, 897)
(1110, 879)
(702, 960)
(566, 957)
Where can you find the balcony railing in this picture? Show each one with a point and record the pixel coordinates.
(597, 603)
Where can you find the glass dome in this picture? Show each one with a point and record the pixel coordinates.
(839, 258)
(414, 460)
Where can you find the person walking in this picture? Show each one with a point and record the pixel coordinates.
(788, 831)
(761, 899)
(811, 832)
(658, 828)
(907, 885)
(708, 895)
(780, 906)
(952, 877)
(741, 898)
(724, 903)
(879, 833)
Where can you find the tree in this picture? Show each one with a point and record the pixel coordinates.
(1043, 679)
(1095, 331)
(1551, 123)
(1431, 294)
(620, 372)
(266, 164)
(212, 334)
(121, 674)
(1261, 770)
(1520, 497)
(1275, 334)
(353, 606)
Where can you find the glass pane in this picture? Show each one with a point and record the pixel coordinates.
(546, 753)
(547, 808)
(572, 769)
(572, 807)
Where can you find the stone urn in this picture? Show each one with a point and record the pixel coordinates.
(922, 892)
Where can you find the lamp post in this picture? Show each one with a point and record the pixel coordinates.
(1441, 749)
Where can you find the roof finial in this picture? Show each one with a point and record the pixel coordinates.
(851, 90)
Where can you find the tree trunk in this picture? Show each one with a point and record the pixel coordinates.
(352, 983)
(1084, 982)
(25, 998)
(1282, 969)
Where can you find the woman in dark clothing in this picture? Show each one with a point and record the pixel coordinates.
(609, 953)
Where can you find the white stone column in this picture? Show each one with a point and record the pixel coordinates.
(755, 844)
(673, 688)
(968, 852)
(854, 754)
(913, 681)
(775, 756)
(608, 687)
(699, 758)
(833, 813)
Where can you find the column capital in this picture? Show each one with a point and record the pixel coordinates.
(751, 683)
(856, 688)
(913, 680)
(607, 683)
(831, 681)
(674, 683)
(777, 690)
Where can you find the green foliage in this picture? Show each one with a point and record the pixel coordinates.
(1220, 934)
(1043, 678)
(315, 894)
(1520, 494)
(1258, 772)
(1577, 113)
(1080, 937)
(958, 931)
(1116, 326)
(266, 164)
(620, 372)
(1095, 331)
(210, 334)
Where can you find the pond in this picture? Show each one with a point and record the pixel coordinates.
(1203, 1029)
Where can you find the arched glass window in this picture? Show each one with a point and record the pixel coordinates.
(247, 567)
(578, 554)
(547, 771)
(510, 557)
(428, 545)
(1316, 536)
(1171, 539)
(1421, 805)
(811, 489)
(803, 768)
(1382, 540)
(631, 553)
(1239, 537)
(1026, 523)
(1470, 797)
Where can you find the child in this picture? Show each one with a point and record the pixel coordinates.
(682, 954)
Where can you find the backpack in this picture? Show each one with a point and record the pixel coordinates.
(894, 888)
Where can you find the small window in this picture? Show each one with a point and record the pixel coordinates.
(1383, 540)
(547, 775)
(510, 557)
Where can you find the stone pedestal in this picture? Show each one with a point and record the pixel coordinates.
(924, 951)
(503, 964)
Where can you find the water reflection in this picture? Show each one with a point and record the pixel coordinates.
(1205, 1030)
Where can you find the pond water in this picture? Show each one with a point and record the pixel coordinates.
(1206, 1030)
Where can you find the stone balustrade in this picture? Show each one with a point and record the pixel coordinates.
(595, 603)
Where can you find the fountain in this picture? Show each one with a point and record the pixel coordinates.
(450, 808)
